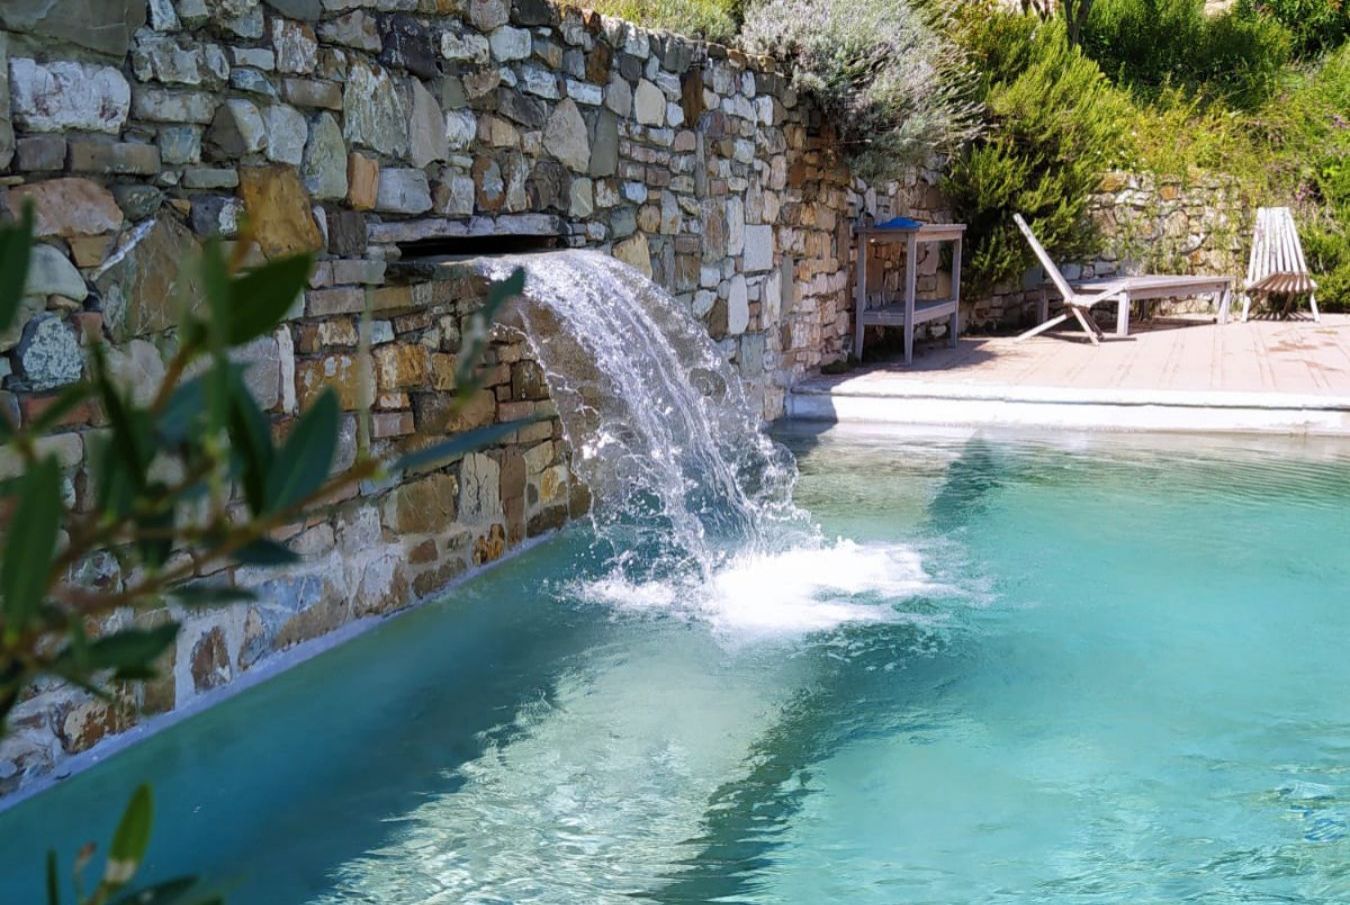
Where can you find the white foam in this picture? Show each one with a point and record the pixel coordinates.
(759, 596)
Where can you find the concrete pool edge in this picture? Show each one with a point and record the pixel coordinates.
(964, 405)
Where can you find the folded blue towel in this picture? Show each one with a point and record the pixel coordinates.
(899, 223)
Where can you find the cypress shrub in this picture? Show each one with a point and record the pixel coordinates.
(1054, 126)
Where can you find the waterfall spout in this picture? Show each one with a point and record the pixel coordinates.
(659, 422)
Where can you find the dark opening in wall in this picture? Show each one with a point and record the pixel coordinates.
(475, 246)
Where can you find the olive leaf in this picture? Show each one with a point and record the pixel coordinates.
(130, 840)
(29, 552)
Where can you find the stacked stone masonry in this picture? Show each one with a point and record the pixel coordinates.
(365, 131)
(352, 128)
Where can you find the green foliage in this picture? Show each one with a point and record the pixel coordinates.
(1237, 56)
(1327, 248)
(1316, 25)
(716, 20)
(1294, 150)
(127, 850)
(884, 71)
(1055, 125)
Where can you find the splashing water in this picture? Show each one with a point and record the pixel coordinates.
(693, 499)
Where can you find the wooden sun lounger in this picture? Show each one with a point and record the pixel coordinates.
(1080, 297)
(1277, 265)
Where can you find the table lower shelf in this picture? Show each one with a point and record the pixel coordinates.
(893, 314)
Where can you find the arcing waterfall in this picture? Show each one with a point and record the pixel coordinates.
(692, 498)
(658, 421)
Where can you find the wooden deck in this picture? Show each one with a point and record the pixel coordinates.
(1290, 376)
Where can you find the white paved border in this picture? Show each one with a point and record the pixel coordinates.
(936, 403)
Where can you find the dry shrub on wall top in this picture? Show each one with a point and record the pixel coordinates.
(886, 74)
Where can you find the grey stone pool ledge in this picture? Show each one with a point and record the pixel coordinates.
(954, 404)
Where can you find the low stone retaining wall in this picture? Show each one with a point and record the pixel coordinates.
(381, 549)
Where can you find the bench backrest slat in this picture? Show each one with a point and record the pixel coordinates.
(1044, 257)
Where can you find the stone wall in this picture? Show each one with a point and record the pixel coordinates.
(374, 133)
(381, 549)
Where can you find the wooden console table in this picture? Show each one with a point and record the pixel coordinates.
(906, 312)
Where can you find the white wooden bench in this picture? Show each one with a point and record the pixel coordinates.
(1277, 265)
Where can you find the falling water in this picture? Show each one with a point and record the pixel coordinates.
(660, 424)
(692, 499)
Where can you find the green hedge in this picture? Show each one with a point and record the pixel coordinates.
(1237, 56)
(716, 20)
(1316, 25)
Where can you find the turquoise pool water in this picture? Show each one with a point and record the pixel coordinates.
(1084, 671)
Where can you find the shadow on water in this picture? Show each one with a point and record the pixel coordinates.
(863, 678)
(293, 798)
(855, 697)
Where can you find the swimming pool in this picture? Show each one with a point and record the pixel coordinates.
(1033, 670)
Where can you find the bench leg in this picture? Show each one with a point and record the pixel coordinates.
(1312, 300)
(909, 340)
(1086, 323)
(1225, 302)
(1043, 307)
(1246, 306)
(951, 328)
(1123, 315)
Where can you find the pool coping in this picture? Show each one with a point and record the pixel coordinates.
(947, 403)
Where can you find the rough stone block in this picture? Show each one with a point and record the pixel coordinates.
(279, 209)
(121, 158)
(68, 207)
(425, 506)
(363, 182)
(65, 95)
(41, 153)
(295, 46)
(408, 45)
(179, 145)
(6, 123)
(312, 93)
(372, 112)
(210, 178)
(403, 191)
(428, 138)
(340, 372)
(160, 105)
(49, 354)
(758, 248)
(51, 273)
(141, 292)
(346, 233)
(105, 26)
